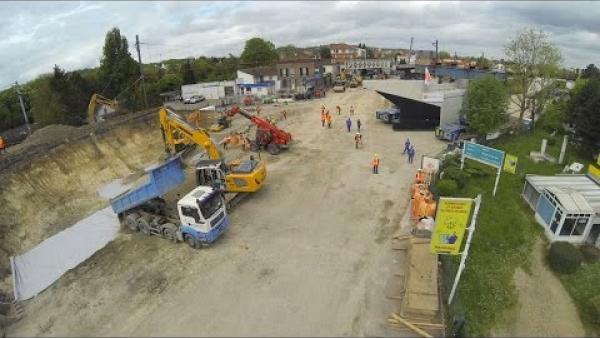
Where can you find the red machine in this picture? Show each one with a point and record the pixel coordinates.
(268, 136)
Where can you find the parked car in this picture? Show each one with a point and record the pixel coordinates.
(339, 87)
(194, 99)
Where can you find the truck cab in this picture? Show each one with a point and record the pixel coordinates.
(202, 215)
(389, 115)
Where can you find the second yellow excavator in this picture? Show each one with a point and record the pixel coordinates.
(100, 108)
(233, 177)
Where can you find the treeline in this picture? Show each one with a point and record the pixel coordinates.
(63, 97)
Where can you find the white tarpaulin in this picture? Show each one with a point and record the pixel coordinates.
(37, 269)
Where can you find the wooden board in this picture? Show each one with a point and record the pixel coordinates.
(421, 298)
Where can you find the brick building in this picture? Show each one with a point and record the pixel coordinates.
(298, 75)
(341, 52)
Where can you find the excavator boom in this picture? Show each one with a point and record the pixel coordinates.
(239, 176)
(177, 130)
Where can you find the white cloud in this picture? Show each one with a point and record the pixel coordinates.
(71, 34)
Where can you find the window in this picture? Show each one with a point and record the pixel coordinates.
(210, 205)
(191, 212)
(567, 227)
(580, 226)
(301, 70)
(287, 72)
(281, 72)
(555, 221)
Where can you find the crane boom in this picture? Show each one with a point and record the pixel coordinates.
(268, 134)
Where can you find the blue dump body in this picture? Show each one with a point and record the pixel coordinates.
(161, 179)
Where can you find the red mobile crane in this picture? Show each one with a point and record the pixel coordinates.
(268, 136)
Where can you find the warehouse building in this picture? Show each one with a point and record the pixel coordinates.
(217, 90)
(566, 206)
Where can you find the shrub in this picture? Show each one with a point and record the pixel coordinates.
(594, 309)
(590, 253)
(564, 257)
(451, 161)
(461, 177)
(446, 187)
(476, 172)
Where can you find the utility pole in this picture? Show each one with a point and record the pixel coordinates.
(410, 50)
(436, 51)
(23, 108)
(137, 46)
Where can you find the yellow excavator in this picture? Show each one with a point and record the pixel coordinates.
(100, 108)
(234, 177)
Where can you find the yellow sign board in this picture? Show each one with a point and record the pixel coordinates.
(450, 224)
(594, 170)
(510, 163)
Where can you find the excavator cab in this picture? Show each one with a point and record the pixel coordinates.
(210, 173)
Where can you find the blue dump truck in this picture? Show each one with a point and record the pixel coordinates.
(200, 216)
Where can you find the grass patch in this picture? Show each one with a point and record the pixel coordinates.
(506, 231)
(583, 288)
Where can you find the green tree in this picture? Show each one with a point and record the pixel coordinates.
(187, 73)
(46, 105)
(533, 59)
(444, 55)
(61, 98)
(485, 105)
(325, 52)
(118, 70)
(259, 52)
(554, 116)
(590, 71)
(286, 52)
(583, 111)
(10, 111)
(204, 68)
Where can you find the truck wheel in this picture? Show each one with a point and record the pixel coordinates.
(273, 149)
(131, 221)
(143, 225)
(191, 241)
(169, 231)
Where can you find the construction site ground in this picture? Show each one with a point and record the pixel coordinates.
(308, 255)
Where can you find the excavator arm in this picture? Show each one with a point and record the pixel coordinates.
(177, 130)
(97, 99)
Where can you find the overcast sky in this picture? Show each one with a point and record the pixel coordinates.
(37, 35)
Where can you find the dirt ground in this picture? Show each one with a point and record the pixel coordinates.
(308, 255)
(545, 308)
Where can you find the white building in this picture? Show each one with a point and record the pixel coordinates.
(258, 81)
(210, 90)
(566, 206)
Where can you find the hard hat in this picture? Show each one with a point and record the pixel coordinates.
(376, 155)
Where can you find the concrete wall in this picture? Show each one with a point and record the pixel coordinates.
(451, 106)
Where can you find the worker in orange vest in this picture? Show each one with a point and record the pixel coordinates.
(2, 145)
(420, 177)
(375, 163)
(328, 118)
(338, 109)
(322, 118)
